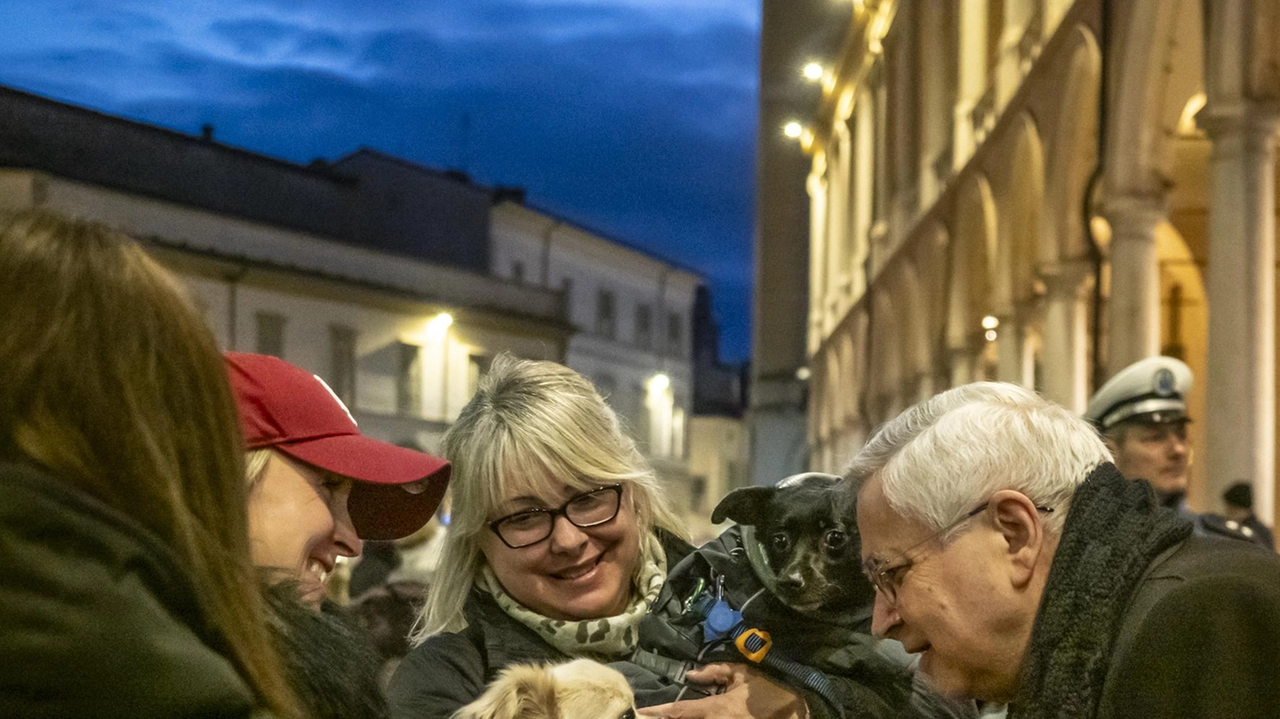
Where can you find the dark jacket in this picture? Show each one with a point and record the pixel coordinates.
(97, 616)
(1201, 637)
(450, 670)
(1141, 617)
(331, 662)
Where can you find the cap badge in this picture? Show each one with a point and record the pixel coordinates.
(1165, 384)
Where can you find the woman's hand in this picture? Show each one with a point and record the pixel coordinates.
(746, 694)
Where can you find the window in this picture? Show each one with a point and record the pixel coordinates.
(566, 298)
(644, 326)
(270, 334)
(606, 320)
(477, 365)
(606, 385)
(342, 362)
(517, 271)
(409, 379)
(675, 332)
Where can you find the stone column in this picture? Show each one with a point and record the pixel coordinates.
(1009, 353)
(962, 366)
(1133, 312)
(1066, 341)
(1240, 426)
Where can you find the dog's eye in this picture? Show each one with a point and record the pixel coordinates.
(835, 539)
(780, 542)
(628, 714)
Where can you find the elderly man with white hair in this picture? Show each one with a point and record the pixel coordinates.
(1008, 551)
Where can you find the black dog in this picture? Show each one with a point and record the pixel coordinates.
(812, 545)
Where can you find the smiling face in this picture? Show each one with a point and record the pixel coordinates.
(952, 606)
(298, 522)
(576, 573)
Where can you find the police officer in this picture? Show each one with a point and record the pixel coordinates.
(1142, 415)
(1239, 509)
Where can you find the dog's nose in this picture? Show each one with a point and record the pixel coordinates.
(791, 580)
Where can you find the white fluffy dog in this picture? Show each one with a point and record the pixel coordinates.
(581, 689)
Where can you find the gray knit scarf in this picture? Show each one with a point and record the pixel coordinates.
(1115, 529)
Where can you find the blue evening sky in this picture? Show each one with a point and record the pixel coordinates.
(632, 117)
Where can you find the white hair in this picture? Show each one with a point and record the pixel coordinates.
(942, 458)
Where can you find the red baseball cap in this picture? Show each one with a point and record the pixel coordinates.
(290, 410)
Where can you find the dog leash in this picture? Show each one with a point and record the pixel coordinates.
(723, 623)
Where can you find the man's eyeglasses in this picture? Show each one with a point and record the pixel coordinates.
(886, 575)
(530, 526)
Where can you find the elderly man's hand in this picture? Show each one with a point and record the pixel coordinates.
(747, 694)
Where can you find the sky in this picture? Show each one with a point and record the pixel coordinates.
(635, 118)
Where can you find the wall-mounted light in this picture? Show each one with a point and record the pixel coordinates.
(659, 383)
(990, 322)
(813, 71)
(793, 129)
(439, 325)
(991, 335)
(803, 374)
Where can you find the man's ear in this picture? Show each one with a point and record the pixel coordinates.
(1022, 526)
(744, 506)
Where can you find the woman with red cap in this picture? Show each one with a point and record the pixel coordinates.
(317, 489)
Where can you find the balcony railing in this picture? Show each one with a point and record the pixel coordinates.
(1032, 41)
(943, 166)
(983, 115)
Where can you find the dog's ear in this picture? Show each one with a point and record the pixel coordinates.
(519, 692)
(744, 506)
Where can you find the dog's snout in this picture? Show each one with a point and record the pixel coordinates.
(791, 580)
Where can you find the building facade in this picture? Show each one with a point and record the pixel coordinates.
(633, 319)
(1042, 192)
(274, 252)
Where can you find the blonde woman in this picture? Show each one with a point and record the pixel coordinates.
(560, 542)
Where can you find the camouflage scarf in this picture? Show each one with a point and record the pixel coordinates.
(604, 638)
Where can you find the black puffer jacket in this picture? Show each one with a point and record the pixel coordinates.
(96, 614)
(450, 670)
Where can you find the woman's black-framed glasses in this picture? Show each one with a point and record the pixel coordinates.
(886, 575)
(587, 509)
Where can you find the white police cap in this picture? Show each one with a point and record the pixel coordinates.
(1152, 390)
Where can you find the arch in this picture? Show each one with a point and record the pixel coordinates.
(1020, 212)
(842, 358)
(830, 393)
(913, 330)
(1072, 155)
(850, 372)
(886, 363)
(1154, 48)
(971, 270)
(931, 264)
(838, 161)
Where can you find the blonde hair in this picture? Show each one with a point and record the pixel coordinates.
(255, 465)
(529, 421)
(113, 383)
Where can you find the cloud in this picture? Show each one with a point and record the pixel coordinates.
(636, 117)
